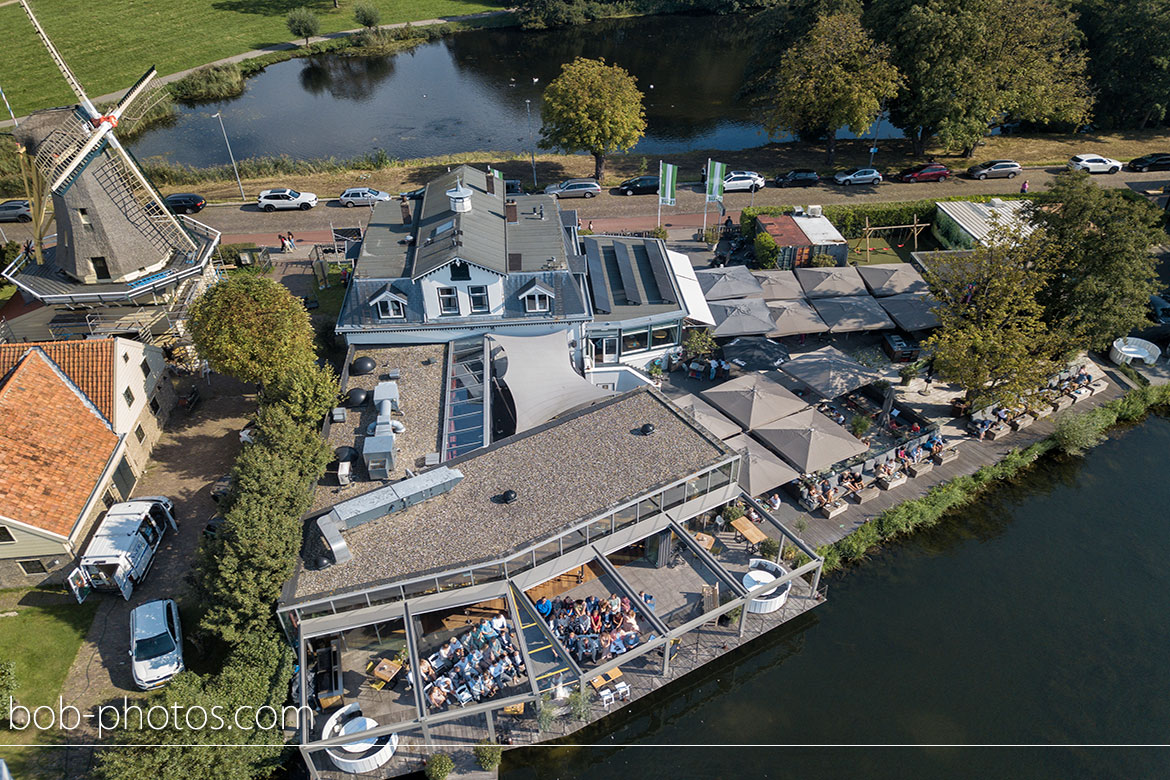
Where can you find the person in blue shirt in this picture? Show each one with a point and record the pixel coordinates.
(648, 599)
(486, 630)
(476, 686)
(616, 647)
(544, 607)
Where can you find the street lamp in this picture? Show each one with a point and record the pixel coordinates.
(531, 144)
(219, 116)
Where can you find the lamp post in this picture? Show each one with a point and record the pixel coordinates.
(219, 116)
(531, 144)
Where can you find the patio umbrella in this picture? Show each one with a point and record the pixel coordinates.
(830, 282)
(754, 353)
(852, 313)
(884, 279)
(792, 318)
(759, 470)
(753, 399)
(912, 312)
(707, 415)
(829, 371)
(743, 317)
(733, 281)
(779, 285)
(809, 440)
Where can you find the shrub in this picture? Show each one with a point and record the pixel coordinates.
(1076, 433)
(7, 688)
(579, 705)
(546, 716)
(488, 754)
(732, 512)
(699, 342)
(711, 235)
(823, 261)
(860, 425)
(659, 232)
(305, 391)
(767, 253)
(439, 765)
(215, 82)
(367, 15)
(302, 23)
(769, 548)
(230, 253)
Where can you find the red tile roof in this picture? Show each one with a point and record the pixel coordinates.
(53, 447)
(785, 230)
(90, 364)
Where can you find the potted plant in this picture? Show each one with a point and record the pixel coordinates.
(579, 705)
(711, 236)
(488, 754)
(908, 372)
(769, 548)
(860, 425)
(545, 714)
(727, 618)
(439, 765)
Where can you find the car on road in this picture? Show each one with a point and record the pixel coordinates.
(801, 177)
(995, 169)
(15, 211)
(574, 188)
(513, 187)
(1094, 163)
(214, 525)
(743, 181)
(156, 643)
(185, 203)
(284, 198)
(362, 196)
(639, 185)
(925, 172)
(858, 176)
(1150, 162)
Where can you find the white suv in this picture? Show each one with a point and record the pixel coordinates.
(1094, 163)
(156, 643)
(271, 200)
(743, 181)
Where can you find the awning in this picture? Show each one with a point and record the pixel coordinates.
(742, 317)
(830, 282)
(809, 440)
(759, 469)
(538, 374)
(707, 415)
(689, 289)
(792, 318)
(829, 372)
(852, 313)
(733, 281)
(779, 285)
(754, 399)
(911, 312)
(754, 353)
(884, 279)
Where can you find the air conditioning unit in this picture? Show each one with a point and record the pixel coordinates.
(815, 211)
(344, 473)
(338, 414)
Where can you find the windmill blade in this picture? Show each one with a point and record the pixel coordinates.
(74, 84)
(66, 151)
(129, 188)
(127, 106)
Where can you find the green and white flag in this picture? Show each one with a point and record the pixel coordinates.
(667, 183)
(715, 173)
(494, 172)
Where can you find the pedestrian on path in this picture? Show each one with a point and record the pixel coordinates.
(1024, 187)
(292, 242)
(590, 226)
(283, 242)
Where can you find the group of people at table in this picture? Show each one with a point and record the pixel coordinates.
(596, 628)
(472, 666)
(1070, 385)
(815, 494)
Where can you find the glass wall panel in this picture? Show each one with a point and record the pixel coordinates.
(721, 476)
(492, 573)
(520, 563)
(675, 495)
(600, 527)
(697, 486)
(548, 551)
(454, 581)
(573, 540)
(386, 595)
(627, 515)
(413, 589)
(648, 507)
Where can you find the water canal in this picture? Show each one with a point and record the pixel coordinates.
(1037, 615)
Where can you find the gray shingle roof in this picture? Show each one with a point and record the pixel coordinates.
(629, 279)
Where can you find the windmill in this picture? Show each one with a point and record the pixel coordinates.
(112, 225)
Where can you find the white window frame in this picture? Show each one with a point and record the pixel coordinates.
(533, 302)
(12, 536)
(476, 290)
(449, 293)
(391, 309)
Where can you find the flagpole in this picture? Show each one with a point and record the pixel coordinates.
(706, 186)
(661, 184)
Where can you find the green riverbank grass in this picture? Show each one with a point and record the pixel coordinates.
(109, 44)
(1075, 432)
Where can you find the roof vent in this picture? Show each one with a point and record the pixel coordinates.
(508, 496)
(342, 454)
(356, 397)
(362, 366)
(996, 203)
(460, 196)
(647, 429)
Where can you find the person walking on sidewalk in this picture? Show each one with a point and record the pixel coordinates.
(1024, 187)
(283, 242)
(292, 242)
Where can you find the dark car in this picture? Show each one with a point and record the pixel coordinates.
(801, 177)
(639, 185)
(185, 203)
(926, 172)
(211, 530)
(221, 488)
(513, 187)
(1150, 162)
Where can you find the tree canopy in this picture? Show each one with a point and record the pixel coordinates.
(303, 23)
(1129, 59)
(592, 107)
(836, 76)
(252, 328)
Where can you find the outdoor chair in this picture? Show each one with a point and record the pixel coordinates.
(462, 695)
(606, 697)
(622, 690)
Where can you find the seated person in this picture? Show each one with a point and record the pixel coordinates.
(518, 662)
(437, 696)
(915, 454)
(754, 516)
(544, 607)
(595, 621)
(445, 683)
(625, 604)
(590, 603)
(629, 622)
(446, 654)
(615, 603)
(500, 623)
(616, 647)
(852, 481)
(647, 599)
(486, 630)
(561, 623)
(425, 670)
(475, 685)
(488, 686)
(775, 501)
(1083, 378)
(463, 666)
(902, 456)
(497, 670)
(825, 486)
(476, 658)
(831, 496)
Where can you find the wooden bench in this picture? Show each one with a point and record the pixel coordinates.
(946, 456)
(1062, 403)
(868, 493)
(997, 430)
(1098, 386)
(1022, 422)
(918, 469)
(832, 510)
(889, 483)
(1041, 412)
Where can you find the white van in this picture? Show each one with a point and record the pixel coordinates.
(123, 547)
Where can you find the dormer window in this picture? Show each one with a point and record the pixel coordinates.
(537, 297)
(536, 302)
(391, 309)
(460, 271)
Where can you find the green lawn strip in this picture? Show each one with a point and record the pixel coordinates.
(329, 300)
(109, 44)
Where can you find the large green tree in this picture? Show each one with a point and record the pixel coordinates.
(972, 64)
(1130, 59)
(251, 328)
(993, 341)
(836, 76)
(592, 107)
(1104, 272)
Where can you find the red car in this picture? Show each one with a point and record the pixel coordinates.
(926, 172)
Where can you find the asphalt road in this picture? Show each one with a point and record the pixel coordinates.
(247, 220)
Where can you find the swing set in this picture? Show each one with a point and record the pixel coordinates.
(903, 234)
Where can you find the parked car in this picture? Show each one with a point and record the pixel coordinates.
(1147, 162)
(574, 188)
(926, 172)
(156, 643)
(362, 196)
(801, 177)
(513, 187)
(995, 169)
(858, 176)
(1094, 163)
(15, 211)
(221, 488)
(639, 185)
(185, 203)
(271, 200)
(211, 530)
(743, 181)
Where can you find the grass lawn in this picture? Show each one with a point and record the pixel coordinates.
(896, 248)
(329, 300)
(110, 43)
(42, 638)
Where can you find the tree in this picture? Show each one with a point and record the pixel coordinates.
(1104, 273)
(592, 107)
(836, 76)
(699, 343)
(367, 15)
(993, 341)
(767, 253)
(307, 392)
(252, 328)
(1123, 43)
(303, 23)
(971, 64)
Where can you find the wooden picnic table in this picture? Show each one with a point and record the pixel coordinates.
(706, 541)
(602, 680)
(748, 530)
(387, 670)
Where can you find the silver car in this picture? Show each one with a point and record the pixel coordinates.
(574, 188)
(995, 169)
(15, 211)
(156, 643)
(362, 196)
(858, 176)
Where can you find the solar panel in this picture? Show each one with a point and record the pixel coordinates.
(597, 284)
(661, 273)
(626, 270)
(514, 263)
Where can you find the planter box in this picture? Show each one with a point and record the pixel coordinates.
(866, 494)
(1041, 412)
(918, 469)
(832, 510)
(1062, 403)
(1098, 386)
(946, 456)
(1022, 422)
(889, 483)
(995, 431)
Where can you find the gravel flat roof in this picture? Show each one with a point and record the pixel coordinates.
(564, 472)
